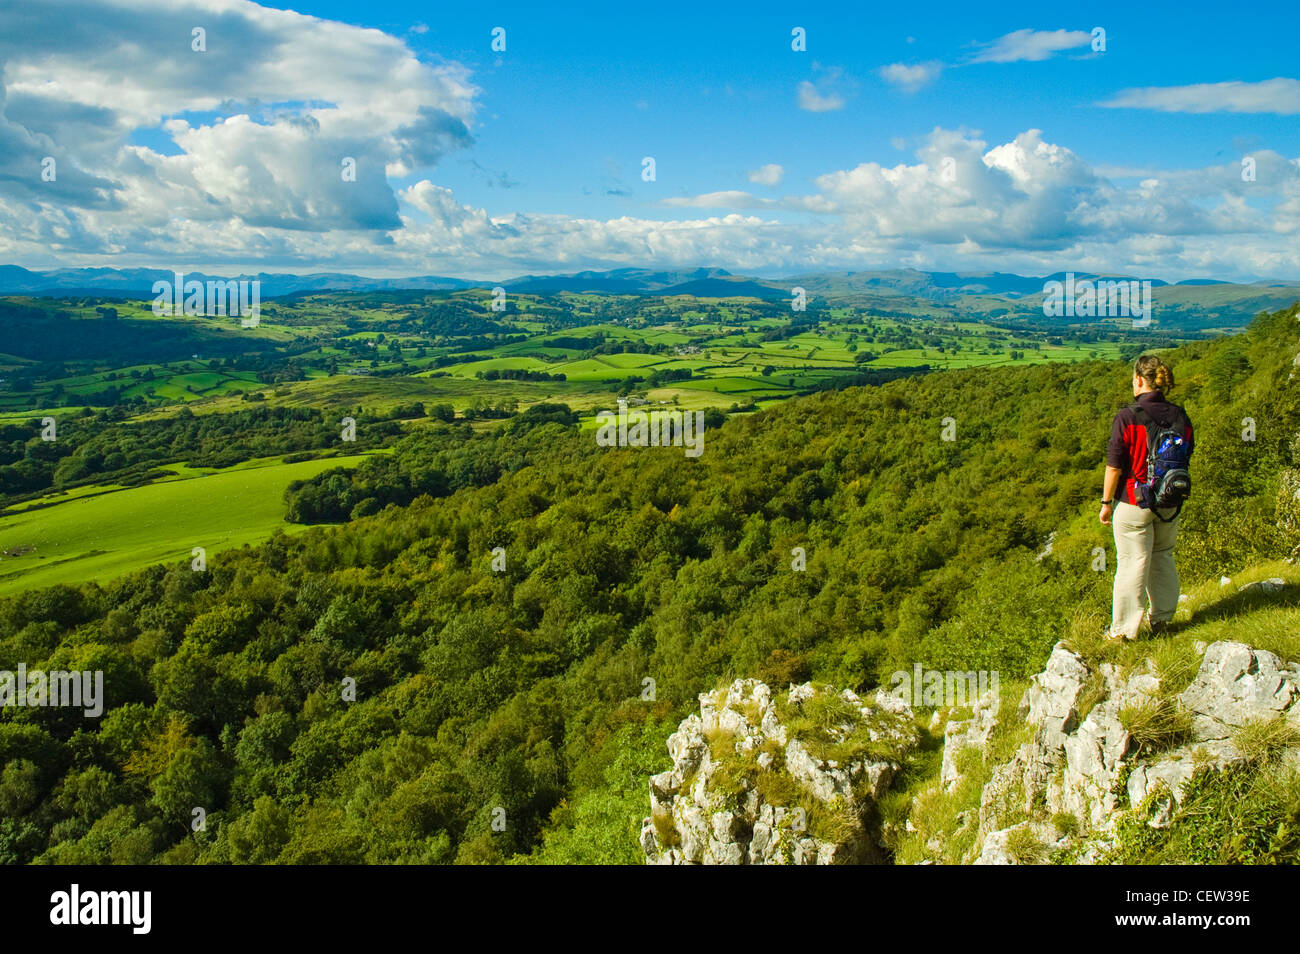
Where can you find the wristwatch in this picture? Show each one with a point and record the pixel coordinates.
(1108, 503)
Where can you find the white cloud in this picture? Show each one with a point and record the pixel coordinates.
(1031, 45)
(294, 95)
(1026, 205)
(1280, 95)
(911, 77)
(1030, 197)
(815, 102)
(733, 199)
(768, 175)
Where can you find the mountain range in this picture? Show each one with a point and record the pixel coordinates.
(16, 280)
(1201, 303)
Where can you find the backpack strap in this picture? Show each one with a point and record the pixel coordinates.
(1150, 423)
(1169, 519)
(1146, 420)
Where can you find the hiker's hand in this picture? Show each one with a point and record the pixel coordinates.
(1106, 511)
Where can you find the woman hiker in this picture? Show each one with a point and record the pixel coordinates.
(1145, 575)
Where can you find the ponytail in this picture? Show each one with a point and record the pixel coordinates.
(1154, 372)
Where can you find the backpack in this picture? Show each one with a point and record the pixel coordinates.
(1169, 479)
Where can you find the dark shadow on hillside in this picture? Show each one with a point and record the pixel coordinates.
(1236, 603)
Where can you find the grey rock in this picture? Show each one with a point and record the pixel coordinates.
(966, 734)
(1271, 585)
(996, 849)
(1052, 699)
(1075, 761)
(1236, 685)
(1165, 778)
(737, 736)
(1094, 754)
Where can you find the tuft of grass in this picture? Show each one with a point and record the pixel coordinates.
(665, 831)
(1024, 847)
(833, 729)
(1264, 739)
(1177, 663)
(1066, 825)
(733, 772)
(1156, 724)
(722, 742)
(1011, 731)
(835, 822)
(968, 760)
(752, 711)
(1094, 690)
(1083, 633)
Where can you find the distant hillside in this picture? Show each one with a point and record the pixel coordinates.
(623, 281)
(1193, 305)
(937, 286)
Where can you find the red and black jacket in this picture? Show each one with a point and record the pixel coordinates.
(1127, 449)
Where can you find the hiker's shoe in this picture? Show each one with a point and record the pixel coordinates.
(1158, 627)
(1115, 637)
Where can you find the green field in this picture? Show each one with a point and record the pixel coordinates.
(101, 537)
(363, 349)
(400, 356)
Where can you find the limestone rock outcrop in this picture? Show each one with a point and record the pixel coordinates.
(785, 779)
(1083, 767)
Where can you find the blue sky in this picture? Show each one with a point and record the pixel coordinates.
(717, 90)
(489, 164)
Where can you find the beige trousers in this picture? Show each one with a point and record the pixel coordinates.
(1144, 572)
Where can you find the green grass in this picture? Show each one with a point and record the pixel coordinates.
(1156, 724)
(1025, 848)
(937, 815)
(1247, 814)
(832, 728)
(1265, 738)
(101, 537)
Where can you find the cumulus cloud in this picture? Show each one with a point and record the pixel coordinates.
(768, 175)
(828, 93)
(468, 241)
(1280, 95)
(1041, 202)
(814, 102)
(910, 77)
(294, 97)
(1032, 45)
